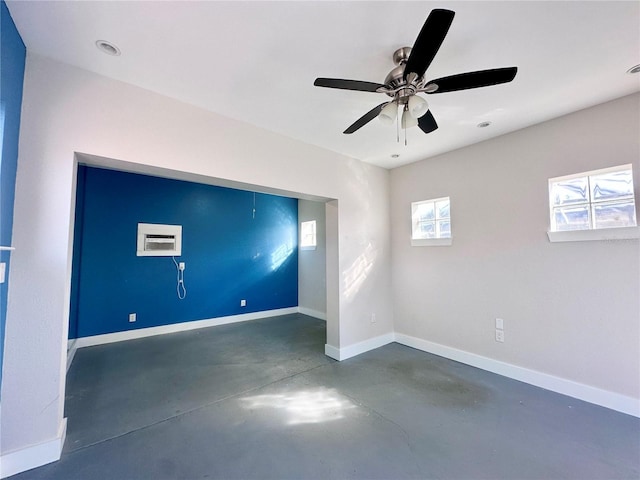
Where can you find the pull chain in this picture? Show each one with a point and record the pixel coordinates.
(406, 109)
(398, 128)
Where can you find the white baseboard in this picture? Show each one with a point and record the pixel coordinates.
(179, 327)
(604, 398)
(331, 351)
(34, 456)
(358, 348)
(313, 313)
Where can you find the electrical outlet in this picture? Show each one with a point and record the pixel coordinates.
(499, 335)
(373, 318)
(132, 317)
(499, 324)
(243, 303)
(181, 265)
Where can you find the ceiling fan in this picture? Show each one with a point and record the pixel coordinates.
(406, 80)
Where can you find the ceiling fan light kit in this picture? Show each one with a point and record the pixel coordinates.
(389, 113)
(408, 120)
(406, 80)
(418, 106)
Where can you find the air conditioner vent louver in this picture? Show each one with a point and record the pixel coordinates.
(156, 240)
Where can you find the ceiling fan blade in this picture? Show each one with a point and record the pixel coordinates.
(366, 118)
(427, 123)
(481, 78)
(347, 84)
(428, 43)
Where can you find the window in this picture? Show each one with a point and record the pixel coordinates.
(596, 200)
(308, 235)
(431, 222)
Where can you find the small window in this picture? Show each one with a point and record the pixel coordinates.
(308, 235)
(593, 200)
(431, 222)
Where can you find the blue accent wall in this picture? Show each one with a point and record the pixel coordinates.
(231, 253)
(12, 62)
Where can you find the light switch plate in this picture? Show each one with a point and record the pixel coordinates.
(3, 271)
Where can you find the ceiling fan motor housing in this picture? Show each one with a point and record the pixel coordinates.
(401, 89)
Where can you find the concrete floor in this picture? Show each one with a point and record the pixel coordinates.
(260, 400)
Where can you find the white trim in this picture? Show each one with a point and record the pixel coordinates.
(179, 327)
(331, 351)
(605, 234)
(358, 348)
(34, 456)
(313, 313)
(598, 396)
(431, 242)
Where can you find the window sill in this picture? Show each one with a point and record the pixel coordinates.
(309, 247)
(431, 242)
(603, 234)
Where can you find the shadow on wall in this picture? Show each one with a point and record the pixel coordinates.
(361, 269)
(355, 276)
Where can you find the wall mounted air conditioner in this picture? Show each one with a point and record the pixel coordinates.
(156, 240)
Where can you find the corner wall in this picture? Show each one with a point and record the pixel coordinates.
(571, 310)
(68, 110)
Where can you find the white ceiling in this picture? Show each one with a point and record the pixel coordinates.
(256, 61)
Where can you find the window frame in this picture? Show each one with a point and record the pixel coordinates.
(435, 241)
(592, 233)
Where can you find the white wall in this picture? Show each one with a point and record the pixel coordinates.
(571, 310)
(312, 290)
(68, 110)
